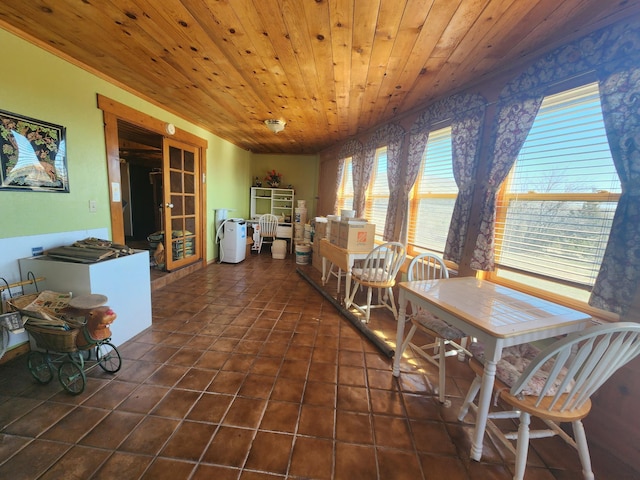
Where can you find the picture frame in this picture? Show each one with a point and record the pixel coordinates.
(33, 155)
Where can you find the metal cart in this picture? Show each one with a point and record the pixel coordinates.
(59, 350)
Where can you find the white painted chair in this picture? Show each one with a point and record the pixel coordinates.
(378, 271)
(268, 225)
(427, 266)
(555, 385)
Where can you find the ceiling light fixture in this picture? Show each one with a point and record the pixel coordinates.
(275, 125)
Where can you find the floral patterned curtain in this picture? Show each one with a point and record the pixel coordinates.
(514, 118)
(352, 148)
(619, 274)
(362, 167)
(417, 143)
(392, 136)
(466, 133)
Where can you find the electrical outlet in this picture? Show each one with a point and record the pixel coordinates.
(92, 206)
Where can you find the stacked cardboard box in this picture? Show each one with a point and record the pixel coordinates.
(356, 235)
(333, 228)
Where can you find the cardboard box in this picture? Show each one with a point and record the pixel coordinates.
(357, 236)
(320, 230)
(284, 231)
(249, 247)
(334, 231)
(316, 259)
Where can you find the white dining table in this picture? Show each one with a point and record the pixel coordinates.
(496, 315)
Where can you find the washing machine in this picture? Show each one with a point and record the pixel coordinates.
(233, 240)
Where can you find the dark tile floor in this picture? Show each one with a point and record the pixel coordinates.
(249, 373)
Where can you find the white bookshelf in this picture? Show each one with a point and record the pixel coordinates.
(278, 202)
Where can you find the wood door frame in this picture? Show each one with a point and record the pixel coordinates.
(114, 111)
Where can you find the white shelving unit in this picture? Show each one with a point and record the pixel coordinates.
(277, 201)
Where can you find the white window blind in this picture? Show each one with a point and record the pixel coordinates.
(556, 207)
(377, 199)
(345, 192)
(433, 196)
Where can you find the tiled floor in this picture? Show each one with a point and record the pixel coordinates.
(249, 373)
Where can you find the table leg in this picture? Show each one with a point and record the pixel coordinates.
(484, 403)
(324, 271)
(399, 333)
(347, 289)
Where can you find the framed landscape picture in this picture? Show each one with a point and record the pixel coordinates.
(33, 155)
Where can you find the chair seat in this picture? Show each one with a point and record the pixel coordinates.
(437, 326)
(379, 275)
(514, 361)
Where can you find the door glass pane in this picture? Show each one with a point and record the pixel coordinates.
(175, 158)
(190, 225)
(178, 207)
(189, 183)
(189, 162)
(189, 205)
(175, 178)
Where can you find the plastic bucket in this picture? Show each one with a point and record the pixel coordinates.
(303, 254)
(301, 215)
(279, 249)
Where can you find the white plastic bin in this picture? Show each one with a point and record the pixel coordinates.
(279, 249)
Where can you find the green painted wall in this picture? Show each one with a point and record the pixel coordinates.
(301, 171)
(40, 85)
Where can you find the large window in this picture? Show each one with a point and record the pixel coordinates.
(377, 194)
(345, 192)
(556, 207)
(433, 196)
(377, 197)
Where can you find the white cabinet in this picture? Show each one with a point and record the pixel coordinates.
(279, 202)
(124, 280)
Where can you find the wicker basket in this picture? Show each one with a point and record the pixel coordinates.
(54, 339)
(19, 303)
(43, 316)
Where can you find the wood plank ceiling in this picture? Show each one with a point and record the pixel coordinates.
(330, 68)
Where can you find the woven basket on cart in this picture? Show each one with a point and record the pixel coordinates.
(54, 339)
(19, 303)
(47, 315)
(50, 329)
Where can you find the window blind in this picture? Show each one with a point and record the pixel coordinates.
(378, 193)
(434, 194)
(345, 192)
(556, 207)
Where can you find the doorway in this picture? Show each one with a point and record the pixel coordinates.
(141, 184)
(156, 186)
